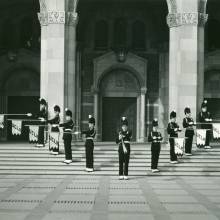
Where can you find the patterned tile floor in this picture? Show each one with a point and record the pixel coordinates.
(107, 198)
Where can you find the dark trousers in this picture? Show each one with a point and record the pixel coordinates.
(67, 145)
(123, 160)
(173, 156)
(41, 135)
(89, 147)
(188, 144)
(155, 153)
(208, 137)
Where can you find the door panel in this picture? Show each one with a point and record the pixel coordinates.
(113, 110)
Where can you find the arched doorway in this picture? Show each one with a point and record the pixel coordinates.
(20, 91)
(119, 90)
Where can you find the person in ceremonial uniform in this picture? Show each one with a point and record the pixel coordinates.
(173, 129)
(54, 128)
(89, 144)
(188, 124)
(205, 119)
(42, 116)
(123, 140)
(155, 138)
(67, 136)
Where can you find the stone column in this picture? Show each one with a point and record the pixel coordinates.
(186, 21)
(3, 110)
(53, 16)
(43, 63)
(138, 118)
(142, 115)
(70, 84)
(96, 111)
(78, 87)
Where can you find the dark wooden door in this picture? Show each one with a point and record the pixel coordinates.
(113, 110)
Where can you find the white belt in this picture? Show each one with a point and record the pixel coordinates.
(89, 138)
(127, 142)
(68, 130)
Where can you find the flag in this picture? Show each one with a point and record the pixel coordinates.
(179, 146)
(2, 121)
(216, 130)
(200, 137)
(16, 127)
(54, 140)
(33, 133)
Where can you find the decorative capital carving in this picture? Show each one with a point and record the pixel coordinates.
(56, 17)
(188, 18)
(172, 6)
(43, 7)
(143, 90)
(51, 17)
(72, 18)
(43, 18)
(94, 90)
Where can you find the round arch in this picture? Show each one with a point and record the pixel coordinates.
(21, 80)
(125, 68)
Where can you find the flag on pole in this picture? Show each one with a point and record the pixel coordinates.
(2, 121)
(216, 130)
(179, 146)
(16, 127)
(200, 137)
(33, 133)
(54, 140)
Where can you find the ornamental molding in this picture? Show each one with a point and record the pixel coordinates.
(72, 18)
(52, 17)
(187, 18)
(43, 6)
(58, 17)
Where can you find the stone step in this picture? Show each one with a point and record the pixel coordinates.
(172, 167)
(98, 148)
(191, 162)
(102, 151)
(104, 164)
(27, 160)
(105, 173)
(107, 156)
(110, 160)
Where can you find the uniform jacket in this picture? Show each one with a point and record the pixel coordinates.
(173, 129)
(188, 126)
(155, 138)
(202, 119)
(54, 121)
(67, 129)
(126, 136)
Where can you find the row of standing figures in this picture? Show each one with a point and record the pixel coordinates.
(123, 138)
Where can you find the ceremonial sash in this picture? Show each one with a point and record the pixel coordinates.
(2, 121)
(200, 137)
(54, 140)
(33, 133)
(16, 127)
(216, 130)
(179, 146)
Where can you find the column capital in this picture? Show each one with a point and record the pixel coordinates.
(43, 18)
(186, 18)
(72, 18)
(143, 91)
(52, 17)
